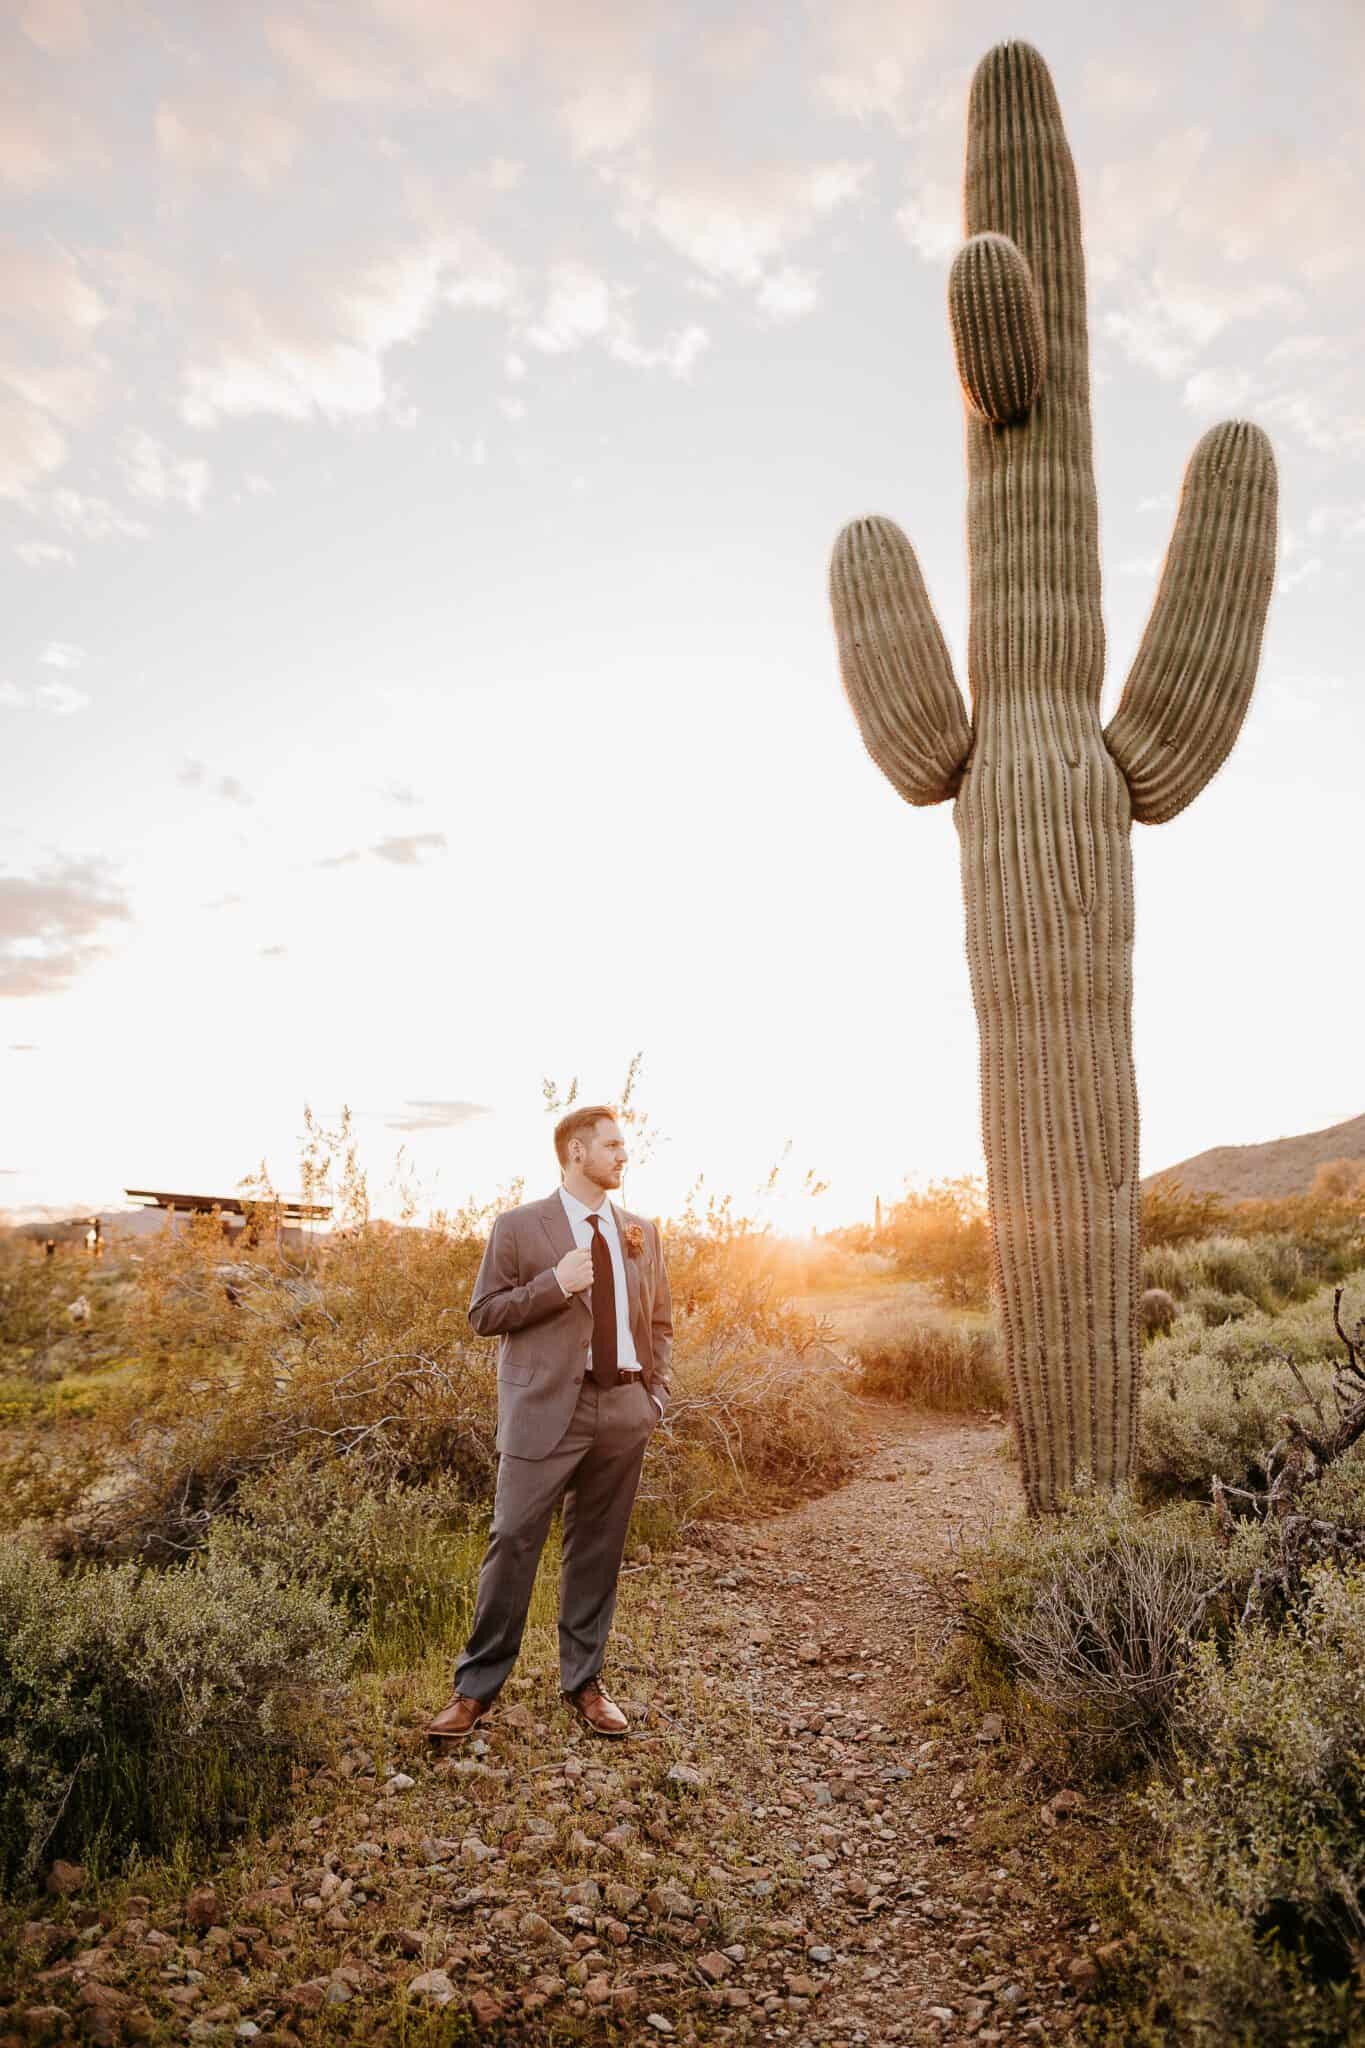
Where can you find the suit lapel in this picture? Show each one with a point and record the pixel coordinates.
(555, 1223)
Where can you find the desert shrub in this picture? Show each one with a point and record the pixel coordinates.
(779, 1418)
(1214, 1309)
(1087, 1618)
(1219, 1275)
(928, 1362)
(1339, 1180)
(139, 1709)
(1255, 1906)
(1171, 1213)
(361, 1356)
(1156, 1312)
(401, 1562)
(941, 1236)
(1212, 1398)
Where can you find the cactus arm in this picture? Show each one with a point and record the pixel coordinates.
(1189, 687)
(896, 668)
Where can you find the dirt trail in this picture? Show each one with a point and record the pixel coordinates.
(794, 1845)
(920, 1930)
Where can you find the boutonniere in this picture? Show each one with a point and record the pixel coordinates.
(635, 1241)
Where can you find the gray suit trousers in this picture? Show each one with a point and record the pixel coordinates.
(595, 1468)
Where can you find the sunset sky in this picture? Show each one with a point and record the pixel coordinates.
(423, 426)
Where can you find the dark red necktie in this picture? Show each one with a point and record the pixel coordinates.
(604, 1372)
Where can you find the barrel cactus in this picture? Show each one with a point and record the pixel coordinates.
(1045, 796)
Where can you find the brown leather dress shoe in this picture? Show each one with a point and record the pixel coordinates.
(596, 1711)
(458, 1716)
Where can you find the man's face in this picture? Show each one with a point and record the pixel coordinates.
(604, 1154)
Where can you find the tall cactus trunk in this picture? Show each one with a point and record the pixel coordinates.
(1047, 878)
(1044, 819)
(1045, 800)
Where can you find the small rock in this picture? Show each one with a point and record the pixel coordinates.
(43, 2022)
(519, 1717)
(1067, 1802)
(433, 1987)
(715, 1967)
(992, 1728)
(821, 1957)
(1084, 1973)
(669, 1901)
(683, 1774)
(399, 1782)
(62, 1880)
(204, 1908)
(658, 2022)
(485, 2009)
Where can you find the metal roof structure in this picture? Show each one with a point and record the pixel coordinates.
(231, 1205)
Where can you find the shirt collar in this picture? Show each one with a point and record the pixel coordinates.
(579, 1212)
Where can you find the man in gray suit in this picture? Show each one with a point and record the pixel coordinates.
(575, 1290)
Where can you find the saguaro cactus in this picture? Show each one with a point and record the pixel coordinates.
(1045, 797)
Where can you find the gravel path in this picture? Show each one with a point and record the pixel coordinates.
(797, 1843)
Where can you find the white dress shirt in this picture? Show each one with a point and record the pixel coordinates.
(578, 1214)
(627, 1360)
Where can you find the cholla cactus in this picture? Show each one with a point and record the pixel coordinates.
(1045, 798)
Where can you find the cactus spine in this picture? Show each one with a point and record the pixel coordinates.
(1045, 798)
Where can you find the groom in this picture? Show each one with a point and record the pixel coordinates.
(575, 1290)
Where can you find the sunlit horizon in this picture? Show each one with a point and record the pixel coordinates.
(421, 448)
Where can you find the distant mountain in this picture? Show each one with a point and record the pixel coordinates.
(1282, 1166)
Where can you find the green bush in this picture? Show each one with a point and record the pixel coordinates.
(1212, 1398)
(1268, 1269)
(1256, 1907)
(928, 1362)
(139, 1710)
(1172, 1213)
(401, 1562)
(942, 1237)
(1088, 1617)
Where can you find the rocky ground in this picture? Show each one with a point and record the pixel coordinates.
(802, 1841)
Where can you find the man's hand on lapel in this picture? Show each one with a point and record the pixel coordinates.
(574, 1271)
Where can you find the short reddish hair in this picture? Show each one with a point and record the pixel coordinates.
(576, 1124)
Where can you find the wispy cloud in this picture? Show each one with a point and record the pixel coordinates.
(53, 924)
(34, 553)
(62, 654)
(273, 952)
(194, 774)
(789, 293)
(61, 698)
(582, 306)
(92, 518)
(407, 850)
(734, 221)
(241, 131)
(428, 1115)
(153, 474)
(315, 345)
(404, 850)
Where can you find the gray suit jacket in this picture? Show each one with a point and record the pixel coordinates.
(545, 1338)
